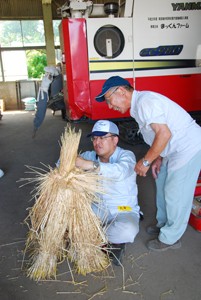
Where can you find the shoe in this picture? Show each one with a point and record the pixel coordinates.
(116, 253)
(153, 229)
(156, 245)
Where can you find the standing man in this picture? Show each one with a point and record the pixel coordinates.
(174, 153)
(118, 208)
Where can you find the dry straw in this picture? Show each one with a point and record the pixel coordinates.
(61, 222)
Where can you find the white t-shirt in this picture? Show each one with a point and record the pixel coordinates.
(150, 107)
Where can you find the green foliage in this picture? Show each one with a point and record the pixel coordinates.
(36, 61)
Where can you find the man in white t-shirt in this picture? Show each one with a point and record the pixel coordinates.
(174, 153)
(118, 208)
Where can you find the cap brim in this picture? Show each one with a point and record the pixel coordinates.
(100, 99)
(101, 96)
(97, 133)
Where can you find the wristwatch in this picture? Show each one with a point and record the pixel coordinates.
(146, 163)
(96, 165)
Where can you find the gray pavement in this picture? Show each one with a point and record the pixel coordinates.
(171, 275)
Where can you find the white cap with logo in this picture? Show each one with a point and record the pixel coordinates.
(102, 127)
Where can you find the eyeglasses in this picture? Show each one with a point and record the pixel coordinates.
(95, 138)
(106, 99)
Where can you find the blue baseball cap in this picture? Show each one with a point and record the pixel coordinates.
(109, 83)
(102, 127)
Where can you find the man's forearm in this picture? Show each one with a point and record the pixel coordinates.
(162, 137)
(159, 144)
(86, 164)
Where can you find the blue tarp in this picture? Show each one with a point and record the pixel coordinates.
(41, 110)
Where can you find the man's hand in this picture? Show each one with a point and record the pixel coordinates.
(140, 169)
(84, 164)
(156, 167)
(162, 137)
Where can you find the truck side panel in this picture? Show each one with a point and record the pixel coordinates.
(167, 56)
(77, 93)
(183, 89)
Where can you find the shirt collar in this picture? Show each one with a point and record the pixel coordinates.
(133, 103)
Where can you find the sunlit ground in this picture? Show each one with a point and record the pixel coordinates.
(17, 112)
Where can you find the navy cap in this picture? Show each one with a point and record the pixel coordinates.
(109, 83)
(102, 127)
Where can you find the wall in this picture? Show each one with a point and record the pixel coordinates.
(12, 92)
(9, 95)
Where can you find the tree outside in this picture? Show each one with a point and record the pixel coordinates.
(36, 61)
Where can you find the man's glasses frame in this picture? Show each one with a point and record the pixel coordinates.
(94, 138)
(107, 99)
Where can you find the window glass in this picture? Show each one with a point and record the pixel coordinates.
(56, 32)
(33, 33)
(22, 33)
(58, 55)
(26, 63)
(1, 77)
(26, 33)
(10, 34)
(14, 65)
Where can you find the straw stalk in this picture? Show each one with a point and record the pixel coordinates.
(61, 223)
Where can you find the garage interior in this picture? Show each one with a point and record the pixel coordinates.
(30, 10)
(170, 275)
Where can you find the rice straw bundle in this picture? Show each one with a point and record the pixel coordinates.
(62, 223)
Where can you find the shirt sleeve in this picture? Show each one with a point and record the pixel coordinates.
(121, 168)
(151, 110)
(89, 155)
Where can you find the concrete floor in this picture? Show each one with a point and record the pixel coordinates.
(172, 275)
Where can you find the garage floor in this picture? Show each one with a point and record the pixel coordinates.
(172, 275)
